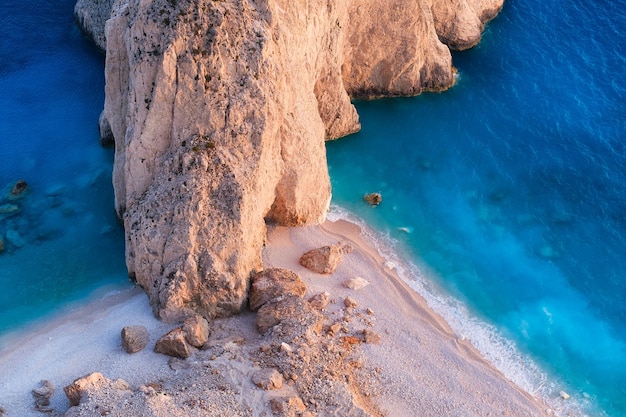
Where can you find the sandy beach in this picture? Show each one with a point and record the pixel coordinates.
(419, 367)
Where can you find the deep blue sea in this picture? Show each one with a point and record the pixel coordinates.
(61, 237)
(507, 192)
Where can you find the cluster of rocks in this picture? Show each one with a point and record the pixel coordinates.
(298, 360)
(219, 110)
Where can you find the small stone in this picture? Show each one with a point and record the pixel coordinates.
(267, 379)
(350, 302)
(42, 396)
(334, 329)
(1, 245)
(271, 284)
(369, 311)
(173, 344)
(285, 347)
(92, 383)
(564, 395)
(134, 338)
(373, 199)
(287, 406)
(389, 265)
(196, 331)
(177, 364)
(371, 337)
(324, 260)
(319, 301)
(355, 283)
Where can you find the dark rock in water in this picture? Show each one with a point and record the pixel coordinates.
(106, 134)
(270, 284)
(173, 344)
(42, 396)
(373, 198)
(134, 338)
(2, 411)
(1, 250)
(19, 187)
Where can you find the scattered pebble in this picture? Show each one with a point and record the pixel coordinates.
(356, 283)
(564, 395)
(350, 302)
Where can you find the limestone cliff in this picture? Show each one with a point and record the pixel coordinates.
(220, 110)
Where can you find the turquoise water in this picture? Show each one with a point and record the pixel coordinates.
(64, 240)
(511, 189)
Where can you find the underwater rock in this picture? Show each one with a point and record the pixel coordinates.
(19, 188)
(14, 238)
(1, 245)
(9, 209)
(373, 199)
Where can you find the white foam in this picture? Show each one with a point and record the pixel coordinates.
(486, 338)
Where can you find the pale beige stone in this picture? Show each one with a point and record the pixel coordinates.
(196, 330)
(173, 344)
(324, 260)
(271, 284)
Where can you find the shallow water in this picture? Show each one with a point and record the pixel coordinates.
(61, 236)
(511, 188)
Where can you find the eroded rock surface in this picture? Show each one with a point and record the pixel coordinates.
(220, 110)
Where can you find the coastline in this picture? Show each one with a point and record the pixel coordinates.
(420, 367)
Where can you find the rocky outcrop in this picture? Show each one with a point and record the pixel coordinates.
(91, 15)
(220, 110)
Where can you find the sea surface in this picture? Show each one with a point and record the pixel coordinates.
(61, 237)
(507, 193)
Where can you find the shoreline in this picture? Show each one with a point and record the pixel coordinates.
(421, 366)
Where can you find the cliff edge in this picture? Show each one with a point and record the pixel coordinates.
(220, 110)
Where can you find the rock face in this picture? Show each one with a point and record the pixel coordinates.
(220, 110)
(91, 16)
